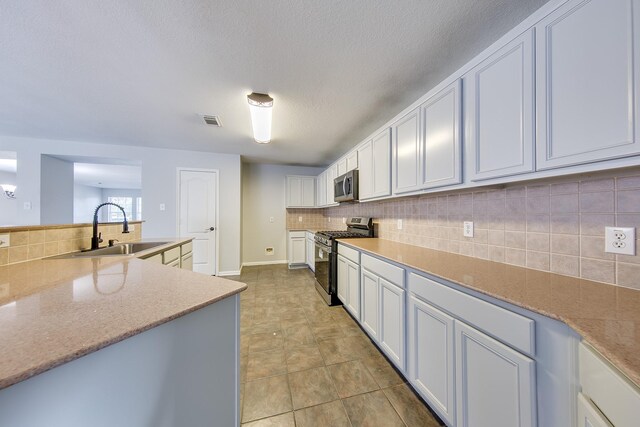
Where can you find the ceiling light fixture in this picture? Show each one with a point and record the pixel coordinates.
(260, 105)
(9, 190)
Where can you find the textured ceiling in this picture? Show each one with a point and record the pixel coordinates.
(139, 72)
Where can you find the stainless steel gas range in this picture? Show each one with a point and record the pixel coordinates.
(326, 255)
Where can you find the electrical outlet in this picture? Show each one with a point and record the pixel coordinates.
(299, 219)
(4, 240)
(399, 224)
(132, 227)
(268, 251)
(620, 240)
(26, 206)
(344, 220)
(270, 219)
(467, 230)
(162, 206)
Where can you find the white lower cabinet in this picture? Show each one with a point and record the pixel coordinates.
(392, 322)
(297, 248)
(311, 251)
(370, 308)
(495, 385)
(589, 415)
(431, 357)
(349, 285)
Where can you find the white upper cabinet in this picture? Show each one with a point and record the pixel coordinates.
(332, 173)
(406, 153)
(321, 189)
(441, 159)
(342, 166)
(499, 116)
(352, 160)
(301, 191)
(374, 165)
(587, 82)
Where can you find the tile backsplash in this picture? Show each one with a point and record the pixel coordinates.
(41, 241)
(553, 225)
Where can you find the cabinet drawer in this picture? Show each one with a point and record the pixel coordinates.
(383, 269)
(302, 234)
(616, 397)
(171, 255)
(511, 328)
(350, 254)
(186, 248)
(155, 258)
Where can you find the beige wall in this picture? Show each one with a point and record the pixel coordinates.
(552, 225)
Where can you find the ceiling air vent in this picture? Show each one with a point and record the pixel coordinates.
(212, 120)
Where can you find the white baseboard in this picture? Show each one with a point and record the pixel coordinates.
(229, 273)
(252, 263)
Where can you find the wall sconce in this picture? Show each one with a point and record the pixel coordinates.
(260, 105)
(9, 190)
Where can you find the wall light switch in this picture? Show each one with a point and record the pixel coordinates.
(270, 219)
(4, 240)
(162, 206)
(399, 224)
(26, 206)
(620, 240)
(467, 230)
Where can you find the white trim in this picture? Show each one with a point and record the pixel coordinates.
(253, 263)
(229, 273)
(217, 208)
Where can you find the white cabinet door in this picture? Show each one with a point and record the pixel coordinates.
(365, 170)
(381, 164)
(589, 415)
(406, 153)
(294, 191)
(343, 279)
(308, 191)
(353, 291)
(342, 166)
(499, 102)
(495, 385)
(441, 159)
(321, 190)
(332, 173)
(392, 322)
(431, 356)
(297, 250)
(588, 80)
(352, 160)
(369, 285)
(310, 254)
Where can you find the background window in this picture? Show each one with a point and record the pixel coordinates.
(114, 214)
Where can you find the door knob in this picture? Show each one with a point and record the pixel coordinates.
(211, 229)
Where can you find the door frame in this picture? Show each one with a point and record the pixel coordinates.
(217, 204)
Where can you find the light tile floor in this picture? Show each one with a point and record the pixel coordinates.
(304, 363)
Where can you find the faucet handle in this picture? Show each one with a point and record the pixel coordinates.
(113, 241)
(100, 238)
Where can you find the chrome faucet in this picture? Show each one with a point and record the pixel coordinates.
(96, 238)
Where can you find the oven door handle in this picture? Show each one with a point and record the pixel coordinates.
(323, 247)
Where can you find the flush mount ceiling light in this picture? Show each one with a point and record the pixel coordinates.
(9, 190)
(260, 105)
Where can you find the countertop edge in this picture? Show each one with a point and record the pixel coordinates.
(616, 361)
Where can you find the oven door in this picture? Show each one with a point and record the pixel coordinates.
(323, 266)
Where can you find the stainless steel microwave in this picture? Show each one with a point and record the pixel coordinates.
(345, 187)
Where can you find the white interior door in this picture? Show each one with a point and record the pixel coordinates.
(197, 216)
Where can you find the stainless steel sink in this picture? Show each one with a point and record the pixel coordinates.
(115, 250)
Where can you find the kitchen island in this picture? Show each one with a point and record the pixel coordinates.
(117, 341)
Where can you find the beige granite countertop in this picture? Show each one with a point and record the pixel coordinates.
(606, 316)
(53, 311)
